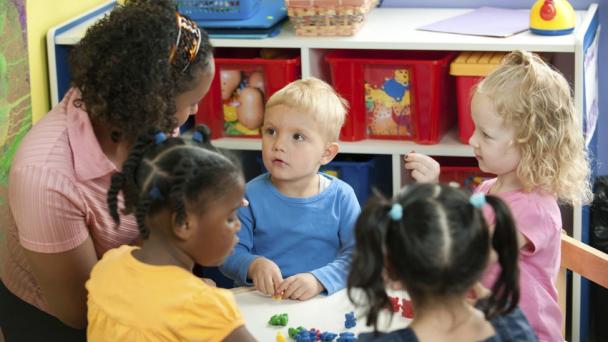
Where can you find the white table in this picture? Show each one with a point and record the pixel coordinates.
(325, 313)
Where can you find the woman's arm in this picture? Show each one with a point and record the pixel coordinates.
(240, 334)
(61, 277)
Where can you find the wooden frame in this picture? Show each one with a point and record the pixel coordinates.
(584, 260)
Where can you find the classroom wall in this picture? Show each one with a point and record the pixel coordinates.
(602, 125)
(42, 15)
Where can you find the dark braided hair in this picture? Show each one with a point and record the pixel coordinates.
(174, 174)
(437, 250)
(122, 68)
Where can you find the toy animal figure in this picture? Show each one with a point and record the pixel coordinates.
(552, 17)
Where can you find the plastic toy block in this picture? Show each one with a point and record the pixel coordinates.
(408, 309)
(279, 319)
(346, 337)
(280, 337)
(327, 336)
(350, 320)
(295, 331)
(304, 336)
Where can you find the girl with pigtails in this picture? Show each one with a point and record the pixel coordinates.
(433, 241)
(184, 196)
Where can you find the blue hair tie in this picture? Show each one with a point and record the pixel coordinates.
(155, 193)
(396, 212)
(197, 136)
(478, 200)
(159, 137)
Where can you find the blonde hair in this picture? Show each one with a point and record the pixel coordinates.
(535, 100)
(316, 98)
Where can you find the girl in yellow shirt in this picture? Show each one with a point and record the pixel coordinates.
(184, 197)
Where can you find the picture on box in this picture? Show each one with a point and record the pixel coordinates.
(387, 101)
(242, 100)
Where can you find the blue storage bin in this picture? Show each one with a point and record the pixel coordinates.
(354, 171)
(201, 10)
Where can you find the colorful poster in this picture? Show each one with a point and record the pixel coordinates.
(15, 101)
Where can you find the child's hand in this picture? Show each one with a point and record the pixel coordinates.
(266, 275)
(301, 286)
(424, 168)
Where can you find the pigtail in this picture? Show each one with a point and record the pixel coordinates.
(116, 185)
(367, 264)
(505, 291)
(125, 180)
(202, 135)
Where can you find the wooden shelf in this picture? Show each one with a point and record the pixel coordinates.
(448, 146)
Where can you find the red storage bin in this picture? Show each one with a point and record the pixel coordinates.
(234, 105)
(405, 95)
(470, 68)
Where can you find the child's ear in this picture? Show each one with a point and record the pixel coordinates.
(182, 230)
(330, 152)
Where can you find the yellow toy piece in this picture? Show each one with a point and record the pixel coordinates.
(280, 337)
(552, 18)
(246, 131)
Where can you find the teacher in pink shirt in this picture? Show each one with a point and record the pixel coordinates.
(143, 64)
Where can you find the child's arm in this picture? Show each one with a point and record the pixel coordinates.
(237, 264)
(331, 277)
(247, 268)
(424, 169)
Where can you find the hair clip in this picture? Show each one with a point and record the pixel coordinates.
(187, 44)
(478, 200)
(396, 212)
(197, 136)
(159, 137)
(155, 194)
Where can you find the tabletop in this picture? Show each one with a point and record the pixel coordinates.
(326, 313)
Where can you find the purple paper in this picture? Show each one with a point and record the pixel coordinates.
(484, 21)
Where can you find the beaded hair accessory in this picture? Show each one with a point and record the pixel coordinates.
(478, 200)
(396, 212)
(187, 44)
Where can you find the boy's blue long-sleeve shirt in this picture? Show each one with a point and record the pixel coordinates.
(312, 234)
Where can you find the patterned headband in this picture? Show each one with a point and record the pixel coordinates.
(187, 43)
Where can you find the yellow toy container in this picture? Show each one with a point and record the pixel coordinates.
(469, 68)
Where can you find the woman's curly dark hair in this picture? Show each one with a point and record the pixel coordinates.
(122, 69)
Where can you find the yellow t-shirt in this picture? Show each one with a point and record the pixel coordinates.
(132, 301)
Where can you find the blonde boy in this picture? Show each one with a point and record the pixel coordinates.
(297, 232)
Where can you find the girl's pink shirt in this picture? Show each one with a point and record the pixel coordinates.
(538, 218)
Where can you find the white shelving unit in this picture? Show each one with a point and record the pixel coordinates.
(387, 28)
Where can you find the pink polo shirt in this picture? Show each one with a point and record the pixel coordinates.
(57, 197)
(538, 218)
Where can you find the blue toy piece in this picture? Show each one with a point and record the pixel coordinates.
(350, 321)
(327, 336)
(304, 336)
(346, 336)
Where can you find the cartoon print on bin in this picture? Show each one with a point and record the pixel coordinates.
(387, 101)
(243, 101)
